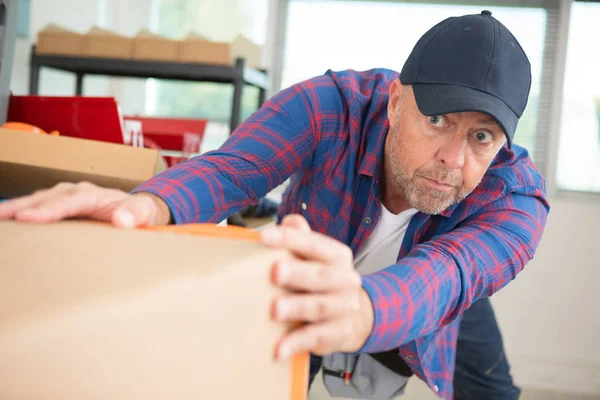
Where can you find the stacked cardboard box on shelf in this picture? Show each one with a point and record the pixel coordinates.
(148, 46)
(54, 39)
(152, 47)
(197, 49)
(104, 43)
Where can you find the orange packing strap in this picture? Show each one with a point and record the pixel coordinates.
(21, 126)
(300, 361)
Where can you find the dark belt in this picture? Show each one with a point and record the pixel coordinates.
(392, 361)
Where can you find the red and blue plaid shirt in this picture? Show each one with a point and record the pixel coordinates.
(327, 135)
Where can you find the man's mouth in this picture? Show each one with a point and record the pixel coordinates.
(439, 185)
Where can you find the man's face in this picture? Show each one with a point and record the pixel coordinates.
(437, 161)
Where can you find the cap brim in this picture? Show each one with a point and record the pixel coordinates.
(434, 99)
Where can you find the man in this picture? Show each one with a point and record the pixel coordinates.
(409, 179)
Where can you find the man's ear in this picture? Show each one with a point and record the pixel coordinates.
(396, 89)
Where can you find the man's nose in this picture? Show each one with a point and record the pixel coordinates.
(451, 153)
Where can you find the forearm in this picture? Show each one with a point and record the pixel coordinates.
(274, 143)
(203, 190)
(410, 299)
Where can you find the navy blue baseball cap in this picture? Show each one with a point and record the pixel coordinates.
(470, 63)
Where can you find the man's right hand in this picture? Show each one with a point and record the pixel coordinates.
(85, 200)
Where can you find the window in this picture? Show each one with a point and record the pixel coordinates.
(579, 143)
(342, 34)
(215, 20)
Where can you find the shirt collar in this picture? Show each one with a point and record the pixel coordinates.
(371, 162)
(450, 210)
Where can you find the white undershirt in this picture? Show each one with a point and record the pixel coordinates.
(382, 247)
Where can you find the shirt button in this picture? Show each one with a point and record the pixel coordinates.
(436, 388)
(409, 357)
(367, 220)
(304, 206)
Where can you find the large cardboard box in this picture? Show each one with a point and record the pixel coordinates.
(103, 43)
(30, 161)
(152, 47)
(197, 49)
(56, 40)
(92, 312)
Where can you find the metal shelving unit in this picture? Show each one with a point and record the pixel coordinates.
(238, 75)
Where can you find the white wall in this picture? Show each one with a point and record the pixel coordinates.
(550, 314)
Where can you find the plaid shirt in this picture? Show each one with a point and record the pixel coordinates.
(327, 134)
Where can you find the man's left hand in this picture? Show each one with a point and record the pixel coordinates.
(326, 292)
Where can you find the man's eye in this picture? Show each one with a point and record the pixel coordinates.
(484, 137)
(437, 120)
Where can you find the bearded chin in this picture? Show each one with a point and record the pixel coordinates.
(427, 201)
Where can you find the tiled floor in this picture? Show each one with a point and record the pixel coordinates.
(417, 390)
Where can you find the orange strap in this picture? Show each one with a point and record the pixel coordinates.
(300, 361)
(300, 370)
(21, 126)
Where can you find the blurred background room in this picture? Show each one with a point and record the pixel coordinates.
(549, 315)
